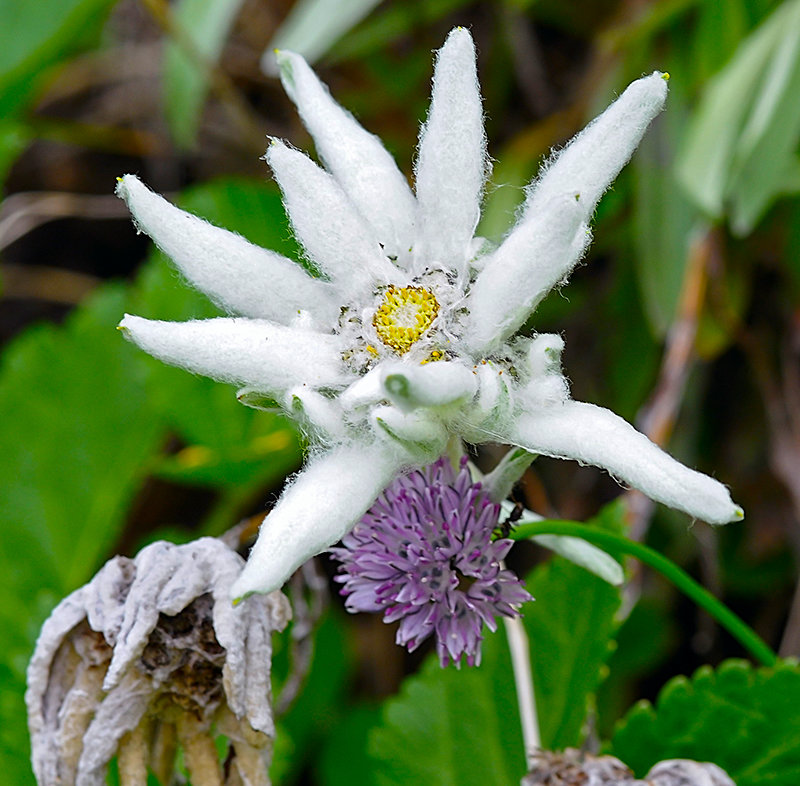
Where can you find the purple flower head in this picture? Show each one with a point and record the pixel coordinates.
(423, 554)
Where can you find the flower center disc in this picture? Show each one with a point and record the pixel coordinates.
(404, 316)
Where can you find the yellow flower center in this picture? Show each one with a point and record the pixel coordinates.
(404, 316)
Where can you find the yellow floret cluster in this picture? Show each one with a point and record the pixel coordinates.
(404, 316)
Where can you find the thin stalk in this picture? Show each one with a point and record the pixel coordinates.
(519, 646)
(610, 541)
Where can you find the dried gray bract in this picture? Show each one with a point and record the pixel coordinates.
(150, 655)
(681, 772)
(575, 768)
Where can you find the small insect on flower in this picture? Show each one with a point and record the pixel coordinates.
(424, 555)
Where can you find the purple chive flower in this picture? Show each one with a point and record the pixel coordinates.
(423, 554)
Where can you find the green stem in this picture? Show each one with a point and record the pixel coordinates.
(610, 541)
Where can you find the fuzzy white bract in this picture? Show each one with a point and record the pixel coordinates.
(407, 338)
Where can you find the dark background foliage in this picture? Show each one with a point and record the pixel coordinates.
(684, 318)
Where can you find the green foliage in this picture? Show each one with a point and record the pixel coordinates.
(38, 35)
(14, 137)
(663, 219)
(203, 26)
(313, 26)
(644, 641)
(740, 153)
(570, 626)
(453, 727)
(319, 708)
(66, 484)
(741, 718)
(88, 418)
(346, 749)
(391, 22)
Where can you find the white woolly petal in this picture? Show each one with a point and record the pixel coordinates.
(544, 354)
(356, 158)
(331, 230)
(586, 555)
(593, 435)
(590, 162)
(546, 384)
(540, 251)
(253, 352)
(324, 502)
(431, 385)
(452, 163)
(321, 414)
(234, 273)
(419, 432)
(364, 391)
(491, 408)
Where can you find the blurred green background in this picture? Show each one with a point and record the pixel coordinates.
(684, 318)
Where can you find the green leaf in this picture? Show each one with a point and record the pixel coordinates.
(741, 718)
(644, 641)
(570, 642)
(345, 759)
(74, 451)
(14, 137)
(205, 25)
(453, 727)
(318, 709)
(719, 29)
(663, 218)
(747, 125)
(313, 26)
(391, 23)
(768, 141)
(38, 35)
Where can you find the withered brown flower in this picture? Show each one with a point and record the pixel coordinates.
(150, 656)
(572, 767)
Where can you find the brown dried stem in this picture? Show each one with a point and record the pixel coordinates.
(657, 417)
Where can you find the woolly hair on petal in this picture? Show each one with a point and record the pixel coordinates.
(596, 436)
(452, 165)
(592, 160)
(539, 252)
(583, 171)
(356, 158)
(333, 233)
(239, 276)
(268, 357)
(316, 510)
(431, 385)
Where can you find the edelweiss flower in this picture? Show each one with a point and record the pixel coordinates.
(423, 554)
(407, 336)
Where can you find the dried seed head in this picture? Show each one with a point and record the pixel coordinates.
(576, 768)
(682, 772)
(149, 656)
(572, 767)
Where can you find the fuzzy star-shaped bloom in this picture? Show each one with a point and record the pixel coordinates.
(407, 337)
